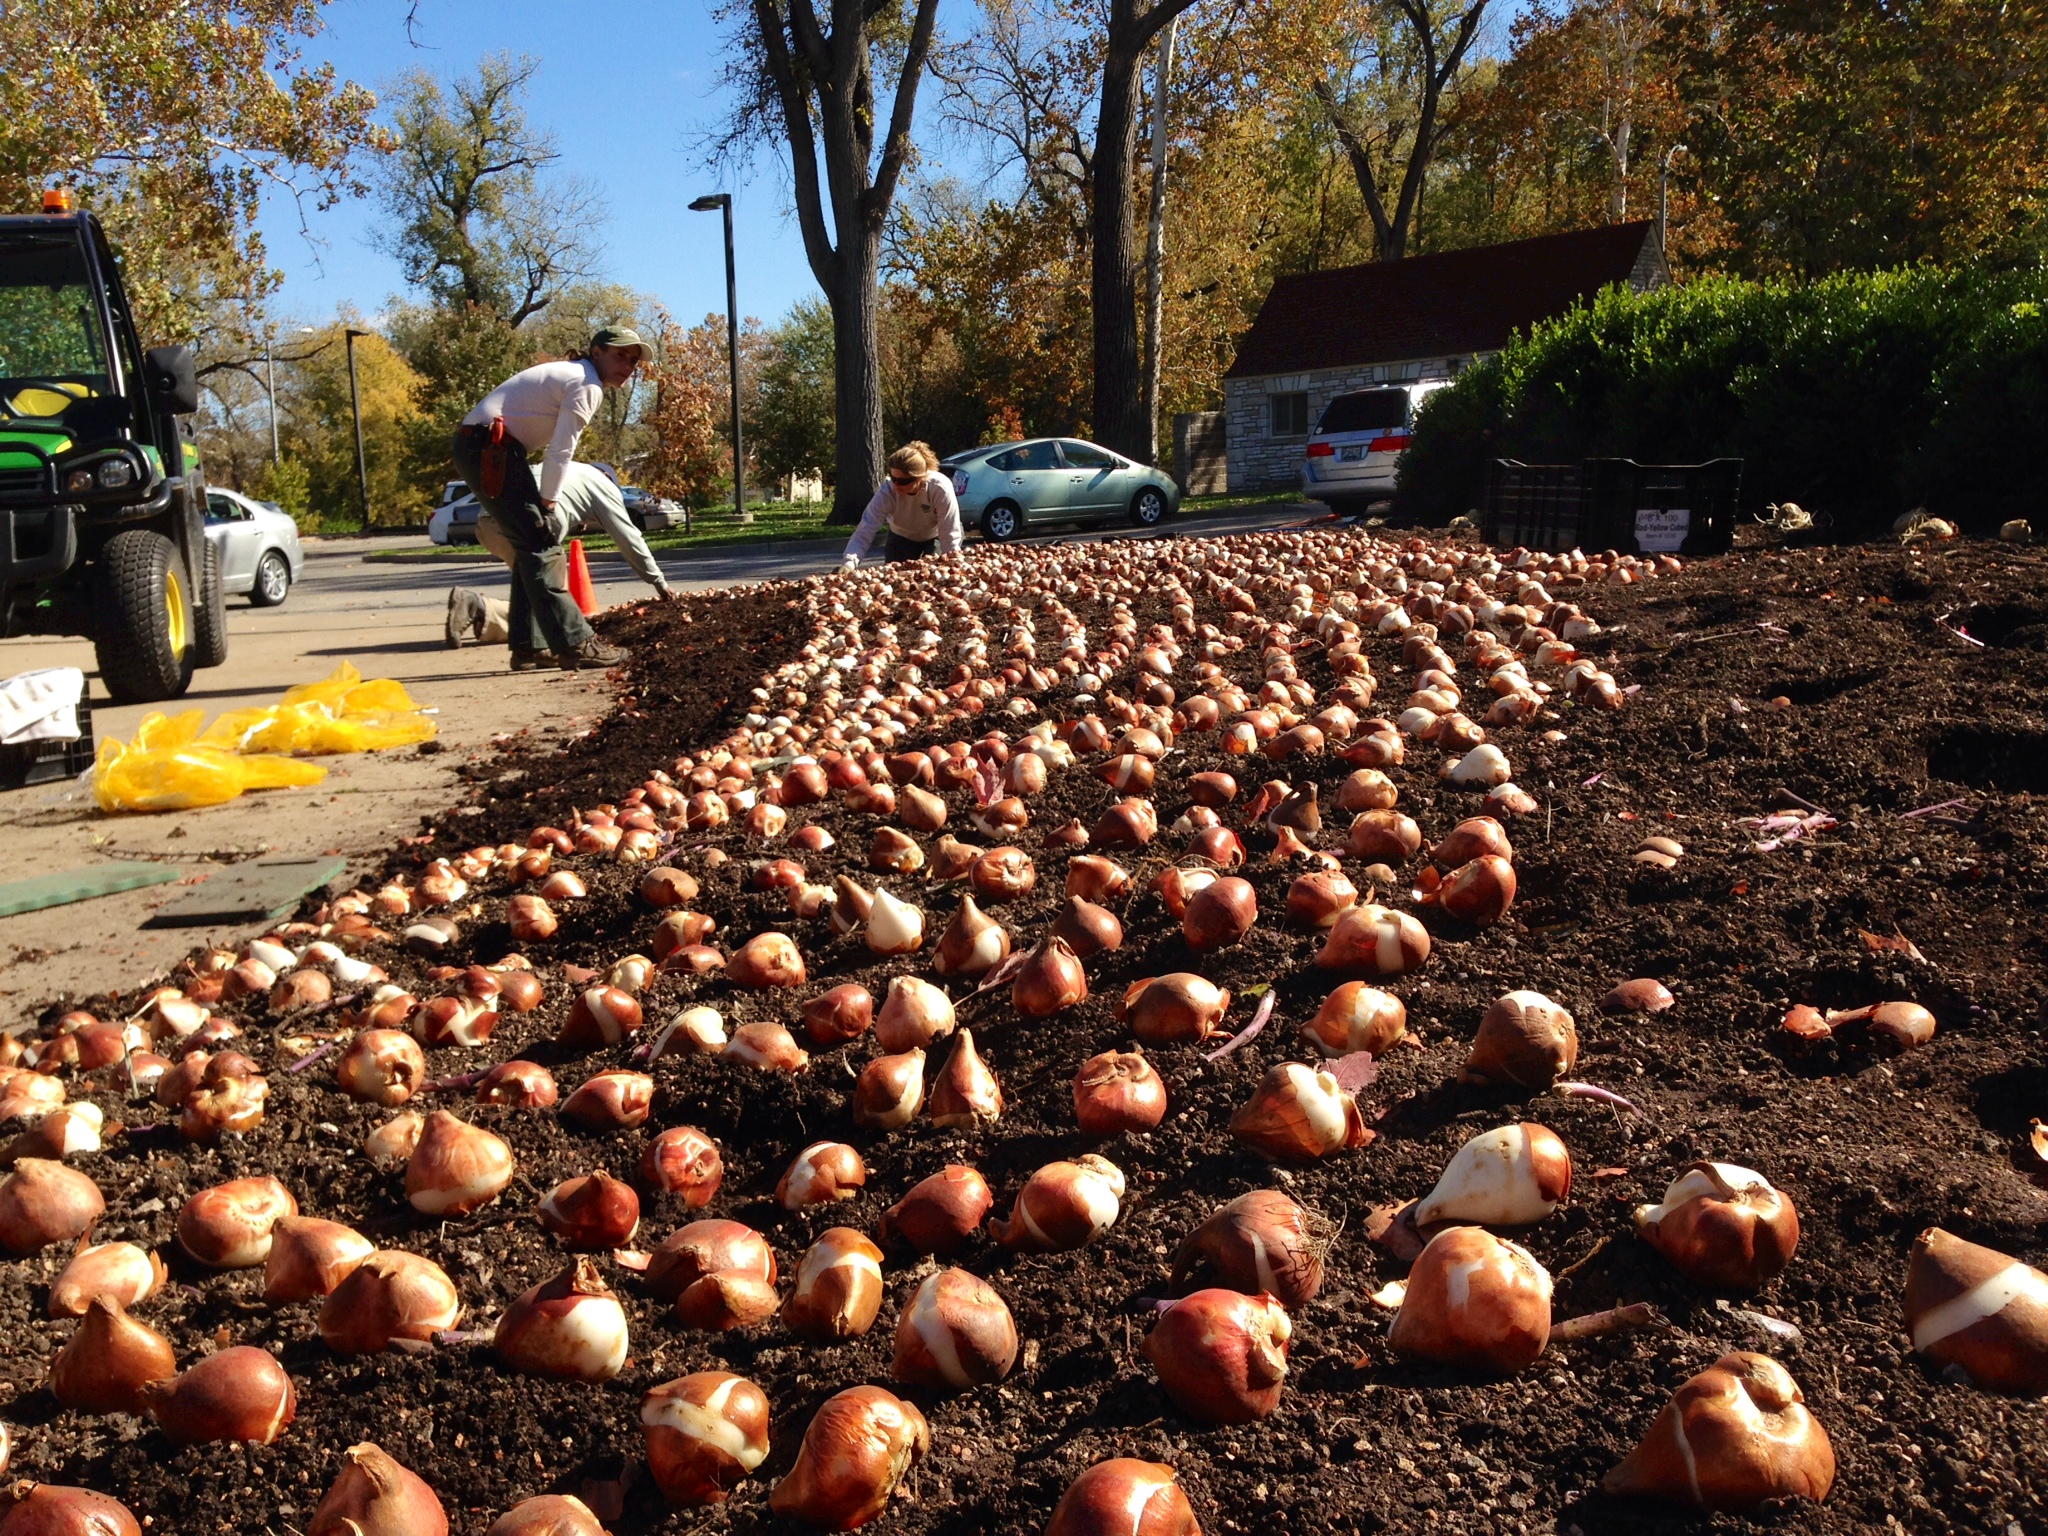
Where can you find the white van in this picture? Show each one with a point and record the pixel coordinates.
(1355, 450)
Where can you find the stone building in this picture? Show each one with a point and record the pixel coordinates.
(1321, 334)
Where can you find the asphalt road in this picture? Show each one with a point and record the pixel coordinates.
(387, 618)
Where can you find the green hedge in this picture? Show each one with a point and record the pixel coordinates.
(1859, 396)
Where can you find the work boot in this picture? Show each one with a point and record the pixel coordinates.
(530, 661)
(465, 616)
(591, 653)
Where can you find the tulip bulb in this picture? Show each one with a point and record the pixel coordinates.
(1087, 929)
(1722, 1226)
(1297, 1112)
(109, 1364)
(683, 1161)
(894, 927)
(889, 1091)
(839, 1015)
(838, 1288)
(1732, 1437)
(122, 1273)
(592, 1212)
(1367, 790)
(389, 1295)
(381, 1066)
(601, 1015)
(1384, 836)
(230, 1226)
(1118, 1091)
(571, 1327)
(1063, 1206)
(1357, 1017)
(395, 1138)
(955, 1332)
(1220, 914)
(1524, 1040)
(1376, 940)
(940, 1213)
(520, 1084)
(973, 943)
(1124, 1497)
(1176, 1009)
(240, 1394)
(767, 1047)
(456, 1168)
(1470, 839)
(858, 1446)
(552, 1514)
(1508, 1177)
(609, 1102)
(1478, 893)
(966, 1094)
(1260, 1243)
(310, 1257)
(375, 1496)
(50, 1509)
(914, 1014)
(1474, 1300)
(1221, 1355)
(705, 1432)
(1980, 1310)
(767, 960)
(1094, 878)
(1050, 981)
(823, 1172)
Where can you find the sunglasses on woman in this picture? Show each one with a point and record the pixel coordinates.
(905, 483)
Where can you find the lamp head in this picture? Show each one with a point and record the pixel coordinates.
(711, 202)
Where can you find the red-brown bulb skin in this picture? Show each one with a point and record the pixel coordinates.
(1124, 1497)
(854, 1453)
(1118, 1091)
(1221, 1355)
(940, 1213)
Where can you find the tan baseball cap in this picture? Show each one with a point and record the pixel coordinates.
(625, 337)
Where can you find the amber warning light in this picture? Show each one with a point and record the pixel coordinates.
(57, 200)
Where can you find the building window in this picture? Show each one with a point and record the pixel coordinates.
(1287, 415)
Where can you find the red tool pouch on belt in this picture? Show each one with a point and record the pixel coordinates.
(493, 460)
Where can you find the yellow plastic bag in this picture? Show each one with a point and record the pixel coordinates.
(167, 769)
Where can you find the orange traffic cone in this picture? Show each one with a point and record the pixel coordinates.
(579, 579)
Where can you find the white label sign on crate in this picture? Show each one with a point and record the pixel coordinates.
(1662, 530)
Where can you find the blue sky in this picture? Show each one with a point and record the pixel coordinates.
(624, 85)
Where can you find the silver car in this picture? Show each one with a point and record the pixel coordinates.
(259, 547)
(1007, 488)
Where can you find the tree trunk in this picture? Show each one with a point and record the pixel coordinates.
(1119, 410)
(1155, 243)
(856, 381)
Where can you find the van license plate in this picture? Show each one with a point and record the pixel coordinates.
(1350, 455)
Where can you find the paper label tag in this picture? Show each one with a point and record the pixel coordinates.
(1662, 530)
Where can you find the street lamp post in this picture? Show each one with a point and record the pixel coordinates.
(355, 400)
(722, 202)
(270, 388)
(1664, 202)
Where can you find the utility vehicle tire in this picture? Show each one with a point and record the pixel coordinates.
(1002, 521)
(210, 614)
(273, 581)
(145, 645)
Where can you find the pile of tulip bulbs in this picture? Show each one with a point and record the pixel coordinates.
(1332, 716)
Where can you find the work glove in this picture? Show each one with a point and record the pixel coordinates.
(848, 562)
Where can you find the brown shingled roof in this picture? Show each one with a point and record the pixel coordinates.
(1451, 304)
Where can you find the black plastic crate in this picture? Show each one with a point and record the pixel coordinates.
(1540, 506)
(45, 762)
(1642, 509)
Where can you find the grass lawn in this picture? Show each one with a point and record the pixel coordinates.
(777, 520)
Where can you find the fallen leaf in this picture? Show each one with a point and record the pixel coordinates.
(1393, 1228)
(1611, 1173)
(1878, 944)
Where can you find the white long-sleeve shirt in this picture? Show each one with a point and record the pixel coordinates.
(930, 512)
(590, 497)
(546, 407)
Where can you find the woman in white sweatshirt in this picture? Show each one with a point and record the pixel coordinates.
(544, 410)
(915, 505)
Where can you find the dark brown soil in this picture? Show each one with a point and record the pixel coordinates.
(1888, 711)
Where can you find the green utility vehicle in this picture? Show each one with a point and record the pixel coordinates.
(102, 504)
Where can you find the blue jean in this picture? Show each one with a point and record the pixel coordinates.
(544, 617)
